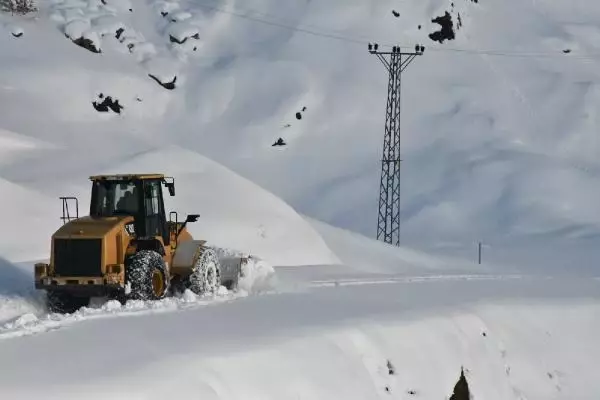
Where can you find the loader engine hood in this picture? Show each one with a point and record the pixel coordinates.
(92, 227)
(85, 247)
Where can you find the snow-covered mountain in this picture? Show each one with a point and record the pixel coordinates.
(499, 121)
(499, 141)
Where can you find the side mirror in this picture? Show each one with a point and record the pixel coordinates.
(171, 187)
(192, 218)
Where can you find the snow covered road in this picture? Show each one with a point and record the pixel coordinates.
(91, 348)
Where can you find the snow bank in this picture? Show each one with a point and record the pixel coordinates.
(17, 295)
(26, 234)
(15, 307)
(477, 167)
(14, 147)
(118, 5)
(144, 51)
(77, 28)
(180, 16)
(369, 255)
(333, 343)
(425, 356)
(167, 6)
(27, 315)
(107, 24)
(235, 213)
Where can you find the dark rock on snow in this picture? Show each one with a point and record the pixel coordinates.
(447, 28)
(87, 44)
(166, 85)
(107, 104)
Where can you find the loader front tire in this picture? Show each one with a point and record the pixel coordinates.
(146, 276)
(206, 273)
(63, 302)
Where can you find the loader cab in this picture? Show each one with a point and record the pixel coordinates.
(140, 196)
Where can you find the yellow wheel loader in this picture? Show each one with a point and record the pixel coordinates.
(127, 249)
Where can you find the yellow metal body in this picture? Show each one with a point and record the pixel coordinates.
(116, 245)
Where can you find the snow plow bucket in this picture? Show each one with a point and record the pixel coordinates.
(232, 269)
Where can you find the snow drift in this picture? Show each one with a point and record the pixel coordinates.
(321, 344)
(235, 213)
(497, 144)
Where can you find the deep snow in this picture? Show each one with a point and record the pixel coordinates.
(319, 343)
(498, 146)
(316, 332)
(499, 141)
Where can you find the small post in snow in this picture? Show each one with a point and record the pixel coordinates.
(479, 249)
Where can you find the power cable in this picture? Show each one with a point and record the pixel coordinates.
(365, 42)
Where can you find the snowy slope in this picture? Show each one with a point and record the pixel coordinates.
(235, 213)
(499, 145)
(319, 343)
(25, 212)
(317, 332)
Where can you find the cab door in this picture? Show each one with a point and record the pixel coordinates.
(154, 213)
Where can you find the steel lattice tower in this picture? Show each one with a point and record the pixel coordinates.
(388, 223)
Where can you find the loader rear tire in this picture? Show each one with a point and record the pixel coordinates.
(146, 276)
(206, 273)
(64, 303)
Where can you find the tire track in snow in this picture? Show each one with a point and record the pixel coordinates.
(29, 316)
(30, 323)
(36, 323)
(408, 279)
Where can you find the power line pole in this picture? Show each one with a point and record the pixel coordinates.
(388, 223)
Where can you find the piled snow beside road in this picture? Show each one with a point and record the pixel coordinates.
(420, 359)
(234, 212)
(23, 311)
(27, 217)
(259, 348)
(476, 167)
(363, 253)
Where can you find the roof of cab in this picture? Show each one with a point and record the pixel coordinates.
(124, 177)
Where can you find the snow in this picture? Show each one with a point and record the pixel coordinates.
(167, 6)
(358, 253)
(118, 5)
(25, 211)
(14, 147)
(162, 68)
(77, 28)
(16, 30)
(146, 51)
(181, 16)
(107, 24)
(499, 146)
(257, 276)
(234, 212)
(321, 343)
